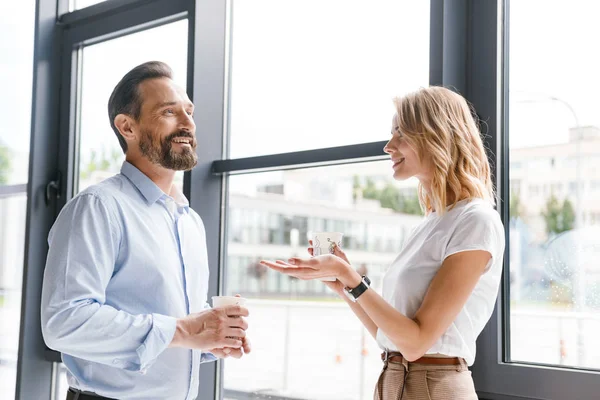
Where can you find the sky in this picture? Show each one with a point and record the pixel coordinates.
(319, 73)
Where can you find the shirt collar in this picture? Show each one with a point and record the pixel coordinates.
(179, 197)
(148, 189)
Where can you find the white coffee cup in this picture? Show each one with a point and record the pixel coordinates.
(323, 243)
(226, 301)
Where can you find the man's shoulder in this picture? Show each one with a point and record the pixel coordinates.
(196, 217)
(91, 204)
(108, 191)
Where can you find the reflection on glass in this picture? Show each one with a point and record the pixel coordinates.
(554, 184)
(272, 215)
(322, 73)
(103, 66)
(12, 244)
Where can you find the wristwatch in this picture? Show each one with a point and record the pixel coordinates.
(354, 293)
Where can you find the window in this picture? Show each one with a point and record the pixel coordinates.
(291, 353)
(555, 284)
(15, 113)
(326, 86)
(12, 239)
(16, 80)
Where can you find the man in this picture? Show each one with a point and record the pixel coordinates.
(126, 279)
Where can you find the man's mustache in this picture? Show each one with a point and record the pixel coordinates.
(180, 134)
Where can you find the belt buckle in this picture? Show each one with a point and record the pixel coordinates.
(387, 354)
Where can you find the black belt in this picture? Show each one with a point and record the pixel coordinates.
(76, 394)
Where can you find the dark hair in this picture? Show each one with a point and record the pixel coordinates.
(126, 99)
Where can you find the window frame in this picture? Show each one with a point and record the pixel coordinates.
(469, 42)
(496, 378)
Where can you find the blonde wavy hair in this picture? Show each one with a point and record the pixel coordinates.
(440, 126)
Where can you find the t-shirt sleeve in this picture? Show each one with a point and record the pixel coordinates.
(477, 230)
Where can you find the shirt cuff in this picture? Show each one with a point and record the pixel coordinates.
(158, 339)
(207, 357)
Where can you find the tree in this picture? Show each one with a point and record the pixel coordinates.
(515, 206)
(411, 205)
(356, 188)
(568, 215)
(105, 163)
(5, 164)
(390, 197)
(90, 167)
(370, 191)
(559, 218)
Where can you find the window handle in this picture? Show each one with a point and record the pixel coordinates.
(55, 186)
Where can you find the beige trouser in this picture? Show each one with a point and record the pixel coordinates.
(412, 381)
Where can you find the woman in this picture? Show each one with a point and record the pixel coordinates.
(440, 291)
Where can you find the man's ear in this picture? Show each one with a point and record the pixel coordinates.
(126, 126)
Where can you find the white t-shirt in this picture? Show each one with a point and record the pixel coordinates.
(470, 225)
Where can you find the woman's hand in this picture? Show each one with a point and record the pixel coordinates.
(336, 251)
(336, 286)
(323, 266)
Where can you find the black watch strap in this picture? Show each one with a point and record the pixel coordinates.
(361, 288)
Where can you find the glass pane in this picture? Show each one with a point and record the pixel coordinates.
(103, 67)
(554, 183)
(16, 21)
(13, 211)
(271, 215)
(78, 4)
(322, 73)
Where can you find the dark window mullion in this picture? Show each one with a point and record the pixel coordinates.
(302, 159)
(34, 373)
(92, 27)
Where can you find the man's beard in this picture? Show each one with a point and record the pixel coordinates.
(164, 155)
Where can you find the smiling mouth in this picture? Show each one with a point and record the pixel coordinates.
(187, 141)
(397, 162)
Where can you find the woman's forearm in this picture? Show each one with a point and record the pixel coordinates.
(404, 332)
(362, 316)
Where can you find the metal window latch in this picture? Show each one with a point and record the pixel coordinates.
(55, 186)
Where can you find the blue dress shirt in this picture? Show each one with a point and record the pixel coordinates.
(125, 261)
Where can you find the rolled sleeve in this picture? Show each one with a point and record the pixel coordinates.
(207, 357)
(158, 339)
(75, 318)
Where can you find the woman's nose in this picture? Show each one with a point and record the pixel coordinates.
(387, 148)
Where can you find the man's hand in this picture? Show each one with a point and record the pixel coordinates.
(246, 346)
(212, 329)
(232, 352)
